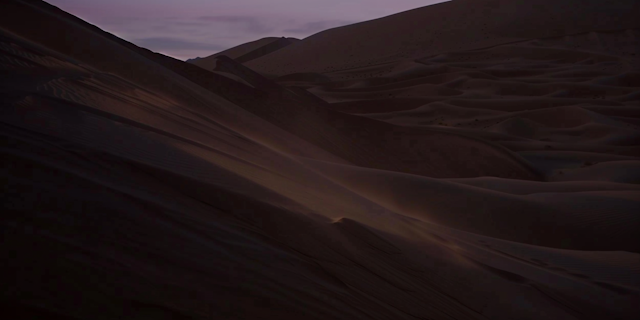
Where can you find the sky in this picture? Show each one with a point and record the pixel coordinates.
(187, 29)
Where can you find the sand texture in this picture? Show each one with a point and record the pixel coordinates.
(475, 159)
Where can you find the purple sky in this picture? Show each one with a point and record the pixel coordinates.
(190, 28)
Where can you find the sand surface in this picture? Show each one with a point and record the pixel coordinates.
(474, 159)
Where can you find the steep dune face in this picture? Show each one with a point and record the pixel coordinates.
(137, 186)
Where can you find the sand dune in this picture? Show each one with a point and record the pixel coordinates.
(430, 31)
(484, 163)
(246, 52)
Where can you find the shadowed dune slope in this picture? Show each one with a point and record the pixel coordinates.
(475, 183)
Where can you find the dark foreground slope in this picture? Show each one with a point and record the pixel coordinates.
(136, 186)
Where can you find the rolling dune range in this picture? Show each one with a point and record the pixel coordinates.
(476, 159)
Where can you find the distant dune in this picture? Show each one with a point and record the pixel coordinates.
(447, 27)
(476, 159)
(246, 52)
